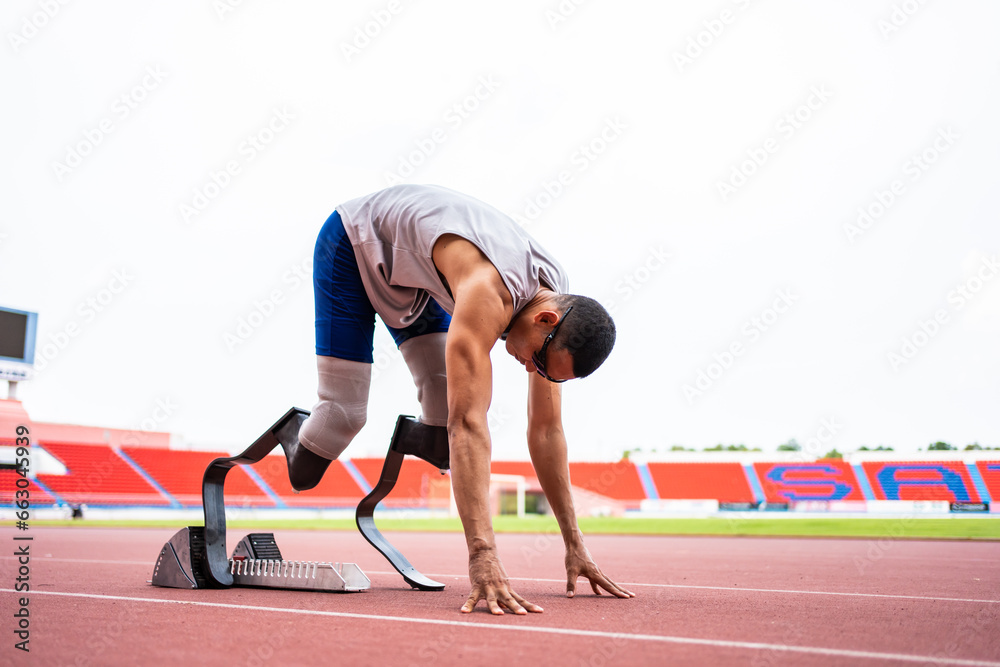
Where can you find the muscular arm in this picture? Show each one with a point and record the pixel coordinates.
(470, 390)
(547, 446)
(483, 308)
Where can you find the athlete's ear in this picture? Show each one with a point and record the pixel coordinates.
(547, 317)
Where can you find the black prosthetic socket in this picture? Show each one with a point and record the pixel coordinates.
(424, 441)
(305, 468)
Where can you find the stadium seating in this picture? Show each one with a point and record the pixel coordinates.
(337, 488)
(618, 480)
(418, 481)
(921, 480)
(180, 473)
(829, 479)
(990, 472)
(522, 468)
(724, 481)
(98, 476)
(8, 490)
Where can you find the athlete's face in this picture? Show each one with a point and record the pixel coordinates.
(530, 342)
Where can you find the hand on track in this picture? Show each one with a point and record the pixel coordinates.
(490, 583)
(579, 563)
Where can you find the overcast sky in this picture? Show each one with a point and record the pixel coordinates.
(790, 208)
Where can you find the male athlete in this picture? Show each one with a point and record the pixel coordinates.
(413, 254)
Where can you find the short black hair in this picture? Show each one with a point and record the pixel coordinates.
(588, 333)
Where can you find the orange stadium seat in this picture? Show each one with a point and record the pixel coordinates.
(921, 480)
(98, 476)
(522, 468)
(723, 481)
(618, 480)
(823, 480)
(180, 473)
(8, 489)
(415, 485)
(336, 489)
(990, 472)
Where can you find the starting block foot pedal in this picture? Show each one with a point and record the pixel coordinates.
(256, 562)
(181, 559)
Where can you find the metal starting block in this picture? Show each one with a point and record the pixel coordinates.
(195, 557)
(256, 562)
(299, 575)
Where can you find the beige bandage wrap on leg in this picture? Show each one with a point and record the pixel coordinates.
(342, 408)
(424, 356)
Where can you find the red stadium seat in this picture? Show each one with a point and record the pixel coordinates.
(723, 481)
(619, 480)
(921, 480)
(824, 480)
(9, 487)
(180, 474)
(336, 489)
(98, 476)
(416, 484)
(990, 472)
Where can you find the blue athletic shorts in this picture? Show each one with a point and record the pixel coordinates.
(345, 317)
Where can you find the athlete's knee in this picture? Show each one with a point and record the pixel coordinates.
(425, 357)
(331, 427)
(342, 409)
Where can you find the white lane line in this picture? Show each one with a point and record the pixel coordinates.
(736, 589)
(667, 639)
(36, 559)
(626, 584)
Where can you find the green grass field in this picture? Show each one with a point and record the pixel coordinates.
(986, 528)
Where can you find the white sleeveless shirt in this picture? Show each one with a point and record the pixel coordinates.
(393, 233)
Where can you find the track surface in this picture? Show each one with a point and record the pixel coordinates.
(700, 601)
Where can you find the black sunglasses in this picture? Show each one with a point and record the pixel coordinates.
(538, 358)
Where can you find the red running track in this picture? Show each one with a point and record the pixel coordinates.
(701, 601)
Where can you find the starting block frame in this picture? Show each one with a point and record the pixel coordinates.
(196, 556)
